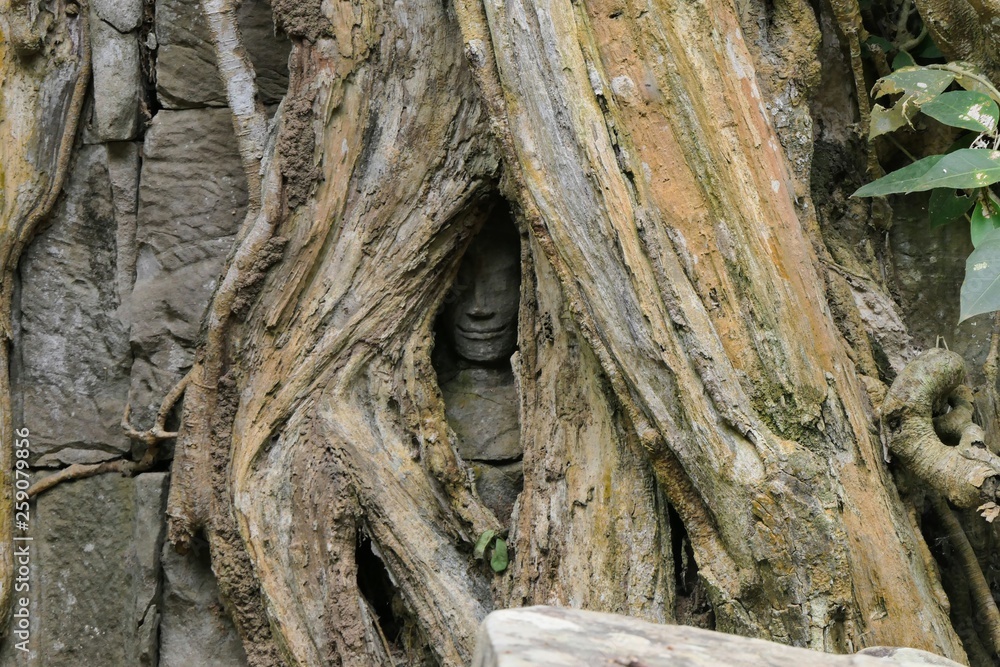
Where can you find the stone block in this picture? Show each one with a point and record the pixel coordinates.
(72, 363)
(195, 629)
(148, 529)
(192, 197)
(482, 408)
(499, 486)
(536, 636)
(123, 169)
(95, 573)
(907, 655)
(124, 15)
(117, 81)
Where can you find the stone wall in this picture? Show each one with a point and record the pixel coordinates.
(108, 309)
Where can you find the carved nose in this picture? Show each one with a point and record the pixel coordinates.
(480, 312)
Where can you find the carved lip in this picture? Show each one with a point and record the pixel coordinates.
(485, 333)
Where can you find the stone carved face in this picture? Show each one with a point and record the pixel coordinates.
(482, 318)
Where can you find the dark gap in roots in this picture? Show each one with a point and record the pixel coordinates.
(376, 587)
(692, 606)
(150, 102)
(406, 644)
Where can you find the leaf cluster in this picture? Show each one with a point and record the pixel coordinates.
(959, 180)
(493, 546)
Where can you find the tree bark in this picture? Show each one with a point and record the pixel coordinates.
(682, 276)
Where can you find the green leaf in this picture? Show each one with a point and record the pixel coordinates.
(966, 169)
(917, 86)
(484, 541)
(947, 206)
(921, 83)
(881, 43)
(964, 141)
(903, 59)
(981, 288)
(500, 560)
(900, 180)
(982, 223)
(966, 76)
(883, 121)
(966, 109)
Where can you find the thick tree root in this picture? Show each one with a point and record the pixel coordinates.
(979, 588)
(236, 71)
(917, 414)
(82, 471)
(928, 414)
(199, 498)
(188, 505)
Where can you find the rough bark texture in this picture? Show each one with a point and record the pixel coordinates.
(702, 350)
(688, 222)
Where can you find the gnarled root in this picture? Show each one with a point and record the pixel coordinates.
(926, 409)
(81, 471)
(152, 439)
(928, 416)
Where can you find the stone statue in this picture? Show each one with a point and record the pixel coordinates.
(481, 317)
(479, 320)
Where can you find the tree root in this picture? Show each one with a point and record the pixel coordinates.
(992, 364)
(955, 427)
(237, 73)
(918, 413)
(82, 471)
(929, 418)
(151, 438)
(199, 496)
(979, 588)
(158, 433)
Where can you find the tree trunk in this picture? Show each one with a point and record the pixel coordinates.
(693, 368)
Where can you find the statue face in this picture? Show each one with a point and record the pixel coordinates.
(483, 318)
